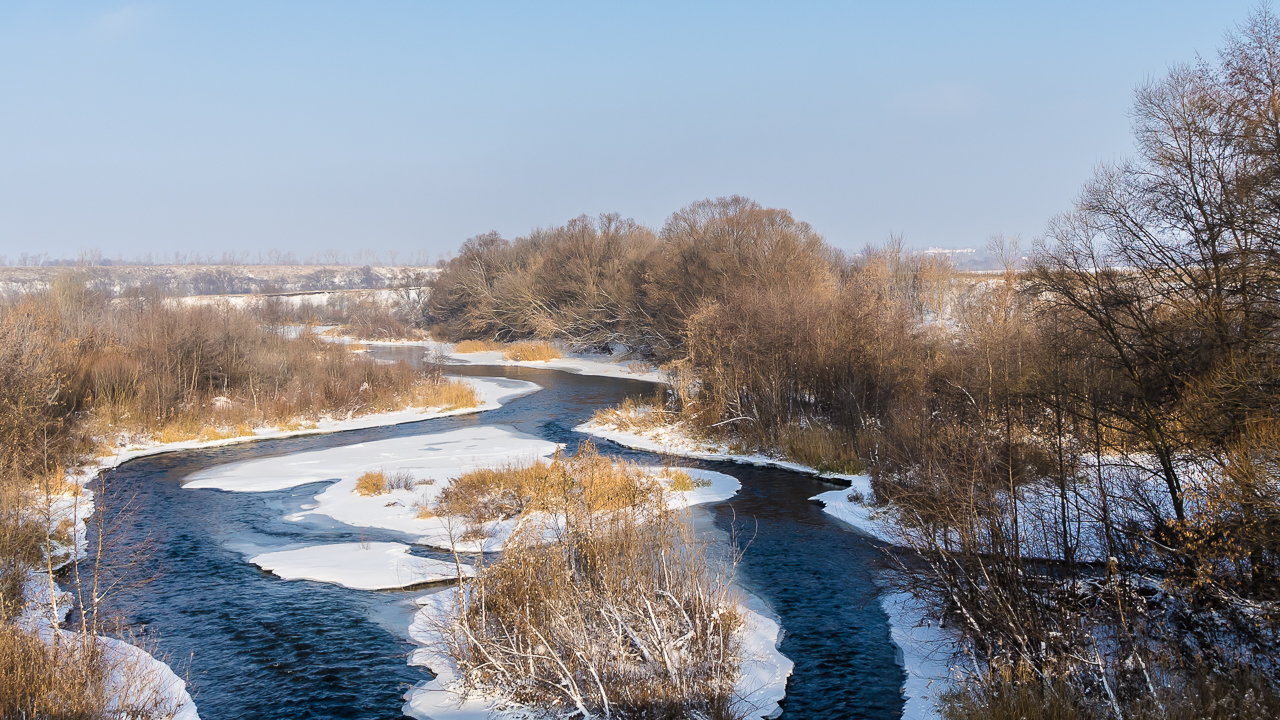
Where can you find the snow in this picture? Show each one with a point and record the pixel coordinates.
(857, 514)
(926, 651)
(669, 440)
(760, 687)
(434, 460)
(491, 393)
(719, 487)
(619, 365)
(360, 566)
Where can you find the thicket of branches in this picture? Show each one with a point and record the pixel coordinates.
(1080, 453)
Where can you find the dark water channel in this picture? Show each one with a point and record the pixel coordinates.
(255, 646)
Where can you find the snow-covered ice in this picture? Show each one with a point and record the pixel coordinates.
(360, 566)
(433, 460)
(668, 440)
(619, 366)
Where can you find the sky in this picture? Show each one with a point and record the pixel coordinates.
(406, 127)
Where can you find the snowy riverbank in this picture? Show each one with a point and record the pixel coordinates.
(48, 604)
(926, 649)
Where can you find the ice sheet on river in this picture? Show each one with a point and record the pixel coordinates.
(360, 566)
(433, 460)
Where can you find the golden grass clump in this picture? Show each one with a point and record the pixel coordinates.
(634, 414)
(588, 479)
(475, 346)
(681, 481)
(373, 482)
(532, 350)
(446, 394)
(622, 614)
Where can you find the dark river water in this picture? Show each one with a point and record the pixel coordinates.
(255, 646)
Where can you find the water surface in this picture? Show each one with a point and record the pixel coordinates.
(256, 646)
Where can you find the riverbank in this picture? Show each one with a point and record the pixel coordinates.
(926, 648)
(48, 604)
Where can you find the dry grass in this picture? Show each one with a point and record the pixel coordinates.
(446, 394)
(379, 482)
(70, 678)
(623, 615)
(822, 448)
(533, 350)
(681, 481)
(475, 346)
(588, 478)
(635, 415)
(373, 482)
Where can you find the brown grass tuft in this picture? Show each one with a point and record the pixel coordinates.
(588, 478)
(475, 346)
(533, 350)
(373, 482)
(446, 394)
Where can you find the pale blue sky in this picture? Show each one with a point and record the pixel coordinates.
(408, 126)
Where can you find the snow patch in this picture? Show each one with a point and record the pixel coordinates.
(360, 566)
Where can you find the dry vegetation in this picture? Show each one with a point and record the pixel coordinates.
(78, 371)
(1081, 453)
(70, 679)
(531, 350)
(475, 346)
(621, 615)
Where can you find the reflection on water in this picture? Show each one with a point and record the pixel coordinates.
(255, 646)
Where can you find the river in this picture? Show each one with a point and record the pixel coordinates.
(255, 646)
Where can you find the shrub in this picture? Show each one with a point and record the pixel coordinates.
(532, 351)
(400, 480)
(373, 482)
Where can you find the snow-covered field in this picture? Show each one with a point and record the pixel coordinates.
(432, 459)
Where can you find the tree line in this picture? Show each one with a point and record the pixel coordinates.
(1080, 451)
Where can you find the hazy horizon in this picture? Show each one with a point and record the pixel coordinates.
(309, 127)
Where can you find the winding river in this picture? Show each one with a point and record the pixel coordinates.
(255, 646)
